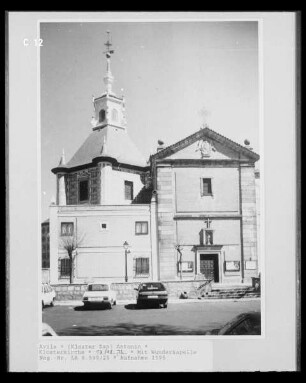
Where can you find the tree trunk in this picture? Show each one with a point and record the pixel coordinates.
(71, 268)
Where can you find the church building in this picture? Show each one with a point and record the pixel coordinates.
(189, 212)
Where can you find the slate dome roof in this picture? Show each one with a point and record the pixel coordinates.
(108, 142)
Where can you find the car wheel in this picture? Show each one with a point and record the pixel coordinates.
(52, 302)
(114, 304)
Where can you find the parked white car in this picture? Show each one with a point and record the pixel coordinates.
(100, 293)
(47, 295)
(47, 330)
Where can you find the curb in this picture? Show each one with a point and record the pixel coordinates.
(175, 301)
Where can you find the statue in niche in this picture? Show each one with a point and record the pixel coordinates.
(209, 238)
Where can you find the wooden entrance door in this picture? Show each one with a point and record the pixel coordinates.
(209, 266)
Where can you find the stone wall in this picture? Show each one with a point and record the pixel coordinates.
(248, 201)
(165, 223)
(126, 291)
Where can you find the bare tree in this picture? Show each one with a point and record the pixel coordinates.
(179, 250)
(71, 243)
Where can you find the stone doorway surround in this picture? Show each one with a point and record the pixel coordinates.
(209, 250)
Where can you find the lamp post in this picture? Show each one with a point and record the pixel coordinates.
(126, 249)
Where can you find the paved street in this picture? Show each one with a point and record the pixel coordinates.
(178, 319)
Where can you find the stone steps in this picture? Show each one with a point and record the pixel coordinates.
(232, 293)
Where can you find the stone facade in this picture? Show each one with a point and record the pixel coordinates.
(249, 218)
(226, 213)
(165, 223)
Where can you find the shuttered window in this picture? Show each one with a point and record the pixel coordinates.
(142, 266)
(67, 228)
(65, 267)
(83, 191)
(206, 188)
(128, 190)
(141, 228)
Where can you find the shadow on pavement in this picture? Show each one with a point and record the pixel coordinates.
(134, 306)
(128, 329)
(92, 307)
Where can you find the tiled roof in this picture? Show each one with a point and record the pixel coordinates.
(144, 196)
(108, 142)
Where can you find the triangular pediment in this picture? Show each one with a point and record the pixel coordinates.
(206, 144)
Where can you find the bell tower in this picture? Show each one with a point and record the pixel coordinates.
(109, 110)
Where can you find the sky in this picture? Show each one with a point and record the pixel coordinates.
(174, 76)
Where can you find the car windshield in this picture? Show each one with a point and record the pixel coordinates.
(98, 287)
(152, 287)
(245, 326)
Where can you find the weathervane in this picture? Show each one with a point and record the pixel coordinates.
(108, 44)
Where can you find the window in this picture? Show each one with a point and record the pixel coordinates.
(141, 228)
(101, 115)
(114, 115)
(66, 228)
(97, 287)
(151, 286)
(103, 226)
(142, 266)
(83, 191)
(206, 186)
(65, 267)
(128, 190)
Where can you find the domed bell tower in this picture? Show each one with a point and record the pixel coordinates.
(109, 110)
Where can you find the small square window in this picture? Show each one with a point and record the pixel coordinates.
(67, 228)
(206, 188)
(103, 226)
(141, 228)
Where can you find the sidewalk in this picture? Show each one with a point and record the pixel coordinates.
(171, 300)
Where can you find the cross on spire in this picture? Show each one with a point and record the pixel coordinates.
(108, 78)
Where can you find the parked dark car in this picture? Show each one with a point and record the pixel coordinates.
(152, 294)
(243, 324)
